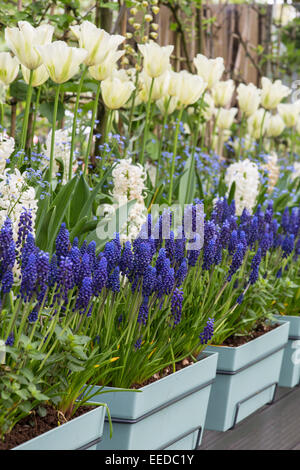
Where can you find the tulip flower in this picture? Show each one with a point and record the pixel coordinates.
(222, 93)
(209, 109)
(289, 113)
(105, 69)
(159, 89)
(116, 92)
(273, 93)
(188, 88)
(97, 42)
(167, 104)
(39, 76)
(258, 123)
(275, 126)
(61, 61)
(156, 58)
(211, 70)
(23, 40)
(248, 97)
(225, 118)
(9, 68)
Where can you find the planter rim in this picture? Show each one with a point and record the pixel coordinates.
(282, 322)
(52, 431)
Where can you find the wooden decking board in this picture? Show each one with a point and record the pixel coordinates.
(274, 427)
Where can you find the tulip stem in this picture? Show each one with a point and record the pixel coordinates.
(174, 155)
(145, 135)
(89, 146)
(108, 124)
(53, 132)
(2, 117)
(162, 140)
(261, 132)
(26, 113)
(241, 135)
(37, 104)
(75, 121)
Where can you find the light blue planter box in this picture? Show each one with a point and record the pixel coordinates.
(166, 414)
(247, 378)
(290, 369)
(82, 433)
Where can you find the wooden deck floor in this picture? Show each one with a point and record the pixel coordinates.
(273, 427)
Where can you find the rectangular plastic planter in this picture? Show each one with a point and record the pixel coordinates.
(247, 378)
(167, 414)
(82, 433)
(290, 369)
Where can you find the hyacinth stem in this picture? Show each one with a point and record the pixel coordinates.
(53, 132)
(89, 146)
(26, 113)
(174, 156)
(75, 121)
(132, 105)
(162, 137)
(145, 135)
(215, 126)
(108, 124)
(261, 132)
(2, 116)
(36, 107)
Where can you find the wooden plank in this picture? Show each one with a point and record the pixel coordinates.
(272, 427)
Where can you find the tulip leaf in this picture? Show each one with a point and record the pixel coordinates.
(187, 183)
(80, 196)
(46, 110)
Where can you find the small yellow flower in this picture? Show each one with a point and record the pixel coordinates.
(273, 302)
(133, 11)
(152, 352)
(148, 18)
(136, 26)
(113, 359)
(154, 26)
(155, 10)
(144, 4)
(128, 35)
(153, 35)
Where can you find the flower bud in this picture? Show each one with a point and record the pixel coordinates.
(155, 10)
(148, 18)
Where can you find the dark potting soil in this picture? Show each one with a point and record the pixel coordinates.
(260, 330)
(34, 425)
(166, 371)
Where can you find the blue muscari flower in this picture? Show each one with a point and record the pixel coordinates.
(208, 331)
(218, 250)
(165, 279)
(28, 248)
(43, 268)
(138, 343)
(253, 232)
(269, 212)
(65, 277)
(118, 248)
(100, 276)
(113, 282)
(232, 208)
(255, 263)
(237, 260)
(240, 298)
(233, 242)
(53, 271)
(209, 231)
(62, 242)
(225, 234)
(288, 245)
(75, 242)
(33, 316)
(176, 305)
(126, 261)
(83, 248)
(7, 281)
(143, 311)
(279, 273)
(142, 257)
(91, 251)
(193, 255)
(285, 219)
(181, 273)
(265, 244)
(245, 217)
(84, 295)
(75, 256)
(84, 268)
(111, 255)
(160, 260)
(149, 281)
(29, 278)
(232, 219)
(10, 340)
(179, 250)
(170, 246)
(24, 226)
(209, 254)
(294, 222)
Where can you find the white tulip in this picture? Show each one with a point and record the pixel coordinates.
(258, 123)
(156, 58)
(105, 68)
(248, 97)
(116, 92)
(61, 61)
(273, 93)
(40, 75)
(23, 40)
(9, 68)
(275, 126)
(159, 88)
(211, 70)
(222, 93)
(187, 87)
(209, 109)
(225, 118)
(289, 113)
(97, 42)
(163, 106)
